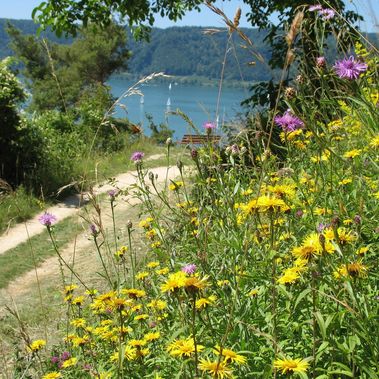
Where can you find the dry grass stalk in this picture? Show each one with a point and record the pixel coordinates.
(237, 17)
(294, 29)
(234, 28)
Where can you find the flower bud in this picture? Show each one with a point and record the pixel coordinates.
(194, 154)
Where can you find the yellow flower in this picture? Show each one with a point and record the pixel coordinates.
(121, 252)
(265, 204)
(151, 336)
(119, 303)
(150, 234)
(203, 302)
(375, 142)
(311, 247)
(290, 276)
(283, 190)
(217, 369)
(141, 317)
(352, 153)
(146, 224)
(163, 271)
(183, 348)
(345, 236)
(70, 289)
(69, 362)
(142, 275)
(78, 322)
(223, 283)
(37, 345)
(80, 341)
(137, 343)
(78, 300)
(355, 270)
(156, 244)
(52, 375)
(133, 293)
(193, 283)
(130, 353)
(152, 264)
(174, 282)
(291, 365)
(230, 355)
(174, 186)
(157, 304)
(254, 292)
(247, 192)
(345, 181)
(363, 250)
(322, 211)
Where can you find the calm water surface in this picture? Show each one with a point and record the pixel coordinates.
(199, 103)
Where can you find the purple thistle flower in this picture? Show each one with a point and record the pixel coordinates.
(209, 125)
(320, 227)
(313, 8)
(327, 13)
(93, 230)
(189, 269)
(288, 122)
(320, 62)
(349, 68)
(112, 193)
(299, 213)
(54, 360)
(137, 156)
(65, 355)
(47, 219)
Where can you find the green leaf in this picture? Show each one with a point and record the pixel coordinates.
(301, 297)
(321, 324)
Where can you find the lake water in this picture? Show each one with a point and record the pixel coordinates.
(198, 102)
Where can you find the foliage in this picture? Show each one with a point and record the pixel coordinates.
(267, 270)
(197, 54)
(60, 76)
(63, 15)
(16, 206)
(14, 153)
(159, 133)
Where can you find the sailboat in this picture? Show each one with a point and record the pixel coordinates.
(168, 102)
(169, 87)
(142, 100)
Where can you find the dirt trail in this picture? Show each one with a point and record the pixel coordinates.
(21, 232)
(81, 246)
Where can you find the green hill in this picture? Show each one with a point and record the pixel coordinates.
(181, 51)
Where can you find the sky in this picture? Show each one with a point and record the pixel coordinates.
(22, 9)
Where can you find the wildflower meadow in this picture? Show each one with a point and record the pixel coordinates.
(260, 259)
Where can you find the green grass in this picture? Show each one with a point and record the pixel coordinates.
(24, 257)
(16, 207)
(20, 205)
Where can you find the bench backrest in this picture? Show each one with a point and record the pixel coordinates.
(196, 139)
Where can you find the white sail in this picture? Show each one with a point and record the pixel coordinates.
(169, 87)
(142, 100)
(168, 102)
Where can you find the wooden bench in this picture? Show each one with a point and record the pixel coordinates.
(199, 139)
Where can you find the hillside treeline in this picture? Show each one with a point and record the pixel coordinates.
(182, 51)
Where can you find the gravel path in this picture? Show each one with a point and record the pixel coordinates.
(80, 246)
(21, 232)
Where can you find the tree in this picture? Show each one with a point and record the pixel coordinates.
(59, 75)
(11, 134)
(63, 15)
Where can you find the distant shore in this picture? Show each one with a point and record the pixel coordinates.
(190, 80)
